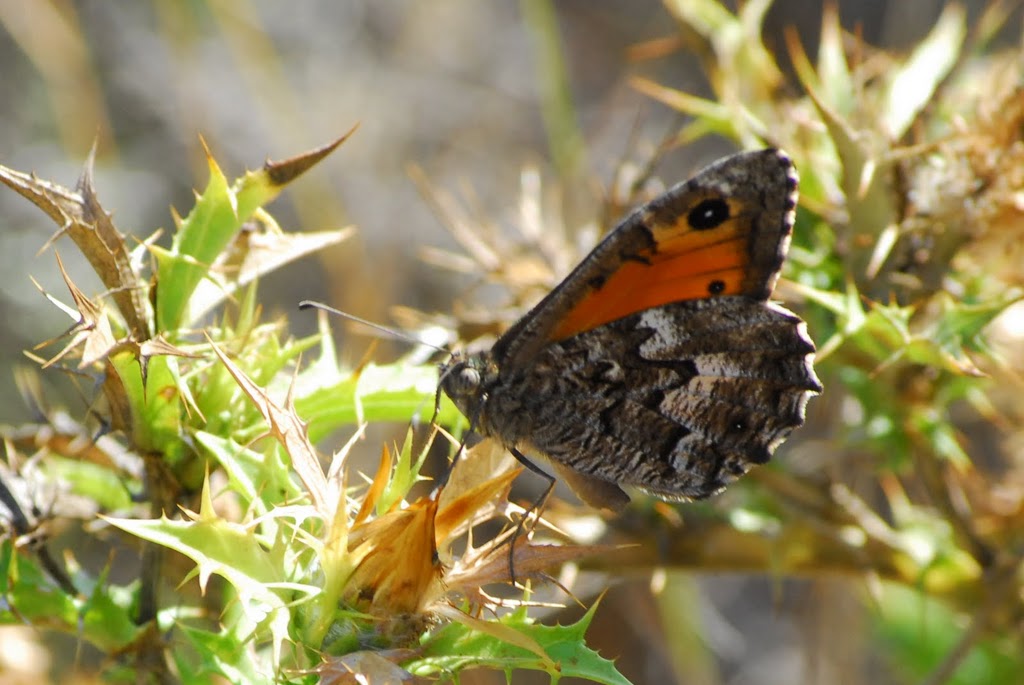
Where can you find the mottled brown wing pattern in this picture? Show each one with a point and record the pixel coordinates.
(678, 400)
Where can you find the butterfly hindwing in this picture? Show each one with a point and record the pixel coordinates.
(678, 400)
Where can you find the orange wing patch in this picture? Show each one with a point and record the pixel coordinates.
(687, 265)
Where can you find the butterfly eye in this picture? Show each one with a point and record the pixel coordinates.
(468, 378)
(708, 214)
(462, 380)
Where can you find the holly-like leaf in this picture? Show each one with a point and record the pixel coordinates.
(234, 551)
(104, 618)
(393, 392)
(563, 651)
(217, 217)
(956, 327)
(262, 480)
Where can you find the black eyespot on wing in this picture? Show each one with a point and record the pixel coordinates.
(710, 213)
(716, 287)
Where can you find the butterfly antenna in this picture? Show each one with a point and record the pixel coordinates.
(390, 332)
(399, 335)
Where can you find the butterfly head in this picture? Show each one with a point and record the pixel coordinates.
(465, 379)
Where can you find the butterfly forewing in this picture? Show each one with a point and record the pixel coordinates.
(723, 232)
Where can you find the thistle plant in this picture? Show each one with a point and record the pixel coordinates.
(201, 443)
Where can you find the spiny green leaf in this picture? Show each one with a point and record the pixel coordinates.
(393, 392)
(834, 77)
(955, 327)
(219, 654)
(217, 546)
(104, 618)
(214, 220)
(709, 116)
(405, 472)
(199, 239)
(155, 404)
(961, 323)
(262, 479)
(236, 553)
(457, 647)
(96, 482)
(912, 85)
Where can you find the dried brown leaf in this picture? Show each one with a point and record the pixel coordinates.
(290, 431)
(157, 346)
(79, 214)
(92, 332)
(474, 493)
(285, 171)
(119, 405)
(490, 563)
(376, 489)
(398, 567)
(252, 254)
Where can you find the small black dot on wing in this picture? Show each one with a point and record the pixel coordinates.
(710, 213)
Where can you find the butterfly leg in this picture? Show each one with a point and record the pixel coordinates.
(442, 480)
(534, 508)
(525, 461)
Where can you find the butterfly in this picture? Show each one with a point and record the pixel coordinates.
(659, 362)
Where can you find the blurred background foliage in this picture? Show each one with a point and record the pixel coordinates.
(907, 247)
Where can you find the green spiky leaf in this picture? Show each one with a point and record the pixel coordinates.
(457, 647)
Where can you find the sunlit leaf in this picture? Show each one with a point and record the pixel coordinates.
(562, 650)
(913, 84)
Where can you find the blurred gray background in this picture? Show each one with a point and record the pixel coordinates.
(449, 86)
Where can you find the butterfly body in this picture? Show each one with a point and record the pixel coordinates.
(659, 361)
